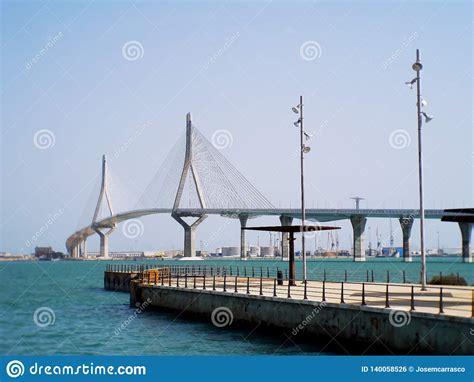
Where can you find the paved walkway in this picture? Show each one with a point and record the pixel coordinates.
(456, 301)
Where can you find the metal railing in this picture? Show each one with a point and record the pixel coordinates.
(455, 301)
(329, 275)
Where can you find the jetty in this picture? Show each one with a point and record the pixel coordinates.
(357, 317)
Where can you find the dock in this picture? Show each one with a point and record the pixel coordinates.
(360, 317)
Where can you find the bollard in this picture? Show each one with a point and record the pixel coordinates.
(245, 271)
(388, 276)
(235, 285)
(253, 272)
(412, 298)
(441, 310)
(156, 278)
(204, 281)
(404, 277)
(169, 278)
(289, 289)
(162, 280)
(305, 297)
(185, 280)
(194, 282)
(248, 285)
(230, 270)
(212, 271)
(372, 275)
(177, 280)
(214, 282)
(274, 287)
(342, 293)
(225, 276)
(363, 294)
(324, 275)
(261, 272)
(387, 304)
(286, 274)
(268, 273)
(324, 291)
(238, 271)
(148, 278)
(261, 289)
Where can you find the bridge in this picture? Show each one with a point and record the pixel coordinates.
(213, 186)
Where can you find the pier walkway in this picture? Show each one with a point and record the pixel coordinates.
(445, 300)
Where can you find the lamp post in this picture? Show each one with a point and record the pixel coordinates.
(417, 67)
(303, 150)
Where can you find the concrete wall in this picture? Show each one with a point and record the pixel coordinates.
(118, 281)
(354, 327)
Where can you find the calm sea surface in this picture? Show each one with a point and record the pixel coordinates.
(87, 318)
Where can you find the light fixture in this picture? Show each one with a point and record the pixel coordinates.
(295, 110)
(428, 118)
(307, 136)
(297, 123)
(306, 149)
(423, 103)
(410, 83)
(417, 66)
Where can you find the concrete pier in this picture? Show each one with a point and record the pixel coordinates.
(358, 226)
(104, 241)
(356, 328)
(466, 231)
(243, 223)
(285, 245)
(406, 223)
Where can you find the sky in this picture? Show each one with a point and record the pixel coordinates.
(83, 79)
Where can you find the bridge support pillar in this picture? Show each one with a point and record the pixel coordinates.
(243, 223)
(358, 227)
(466, 231)
(104, 241)
(189, 234)
(74, 252)
(84, 250)
(406, 223)
(285, 249)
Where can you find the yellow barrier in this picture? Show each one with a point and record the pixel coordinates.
(155, 276)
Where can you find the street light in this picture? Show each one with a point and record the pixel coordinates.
(298, 109)
(417, 67)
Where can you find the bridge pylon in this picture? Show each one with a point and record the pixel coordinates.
(189, 229)
(103, 197)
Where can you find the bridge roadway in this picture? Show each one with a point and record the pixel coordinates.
(357, 217)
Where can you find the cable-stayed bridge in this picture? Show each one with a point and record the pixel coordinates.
(196, 180)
